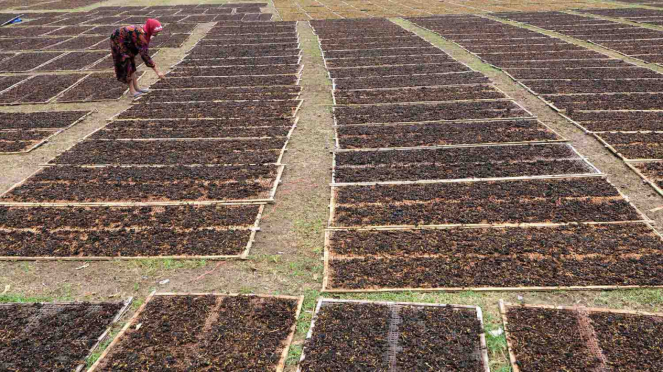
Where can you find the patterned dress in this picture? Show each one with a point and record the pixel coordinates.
(127, 42)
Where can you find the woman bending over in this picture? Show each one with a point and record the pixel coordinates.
(127, 42)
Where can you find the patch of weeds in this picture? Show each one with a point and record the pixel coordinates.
(299, 268)
(308, 307)
(310, 232)
(497, 345)
(153, 265)
(304, 322)
(469, 295)
(270, 258)
(439, 297)
(641, 297)
(65, 293)
(27, 267)
(100, 349)
(246, 290)
(17, 297)
(136, 303)
(294, 354)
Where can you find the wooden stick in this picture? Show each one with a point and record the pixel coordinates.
(284, 354)
(481, 225)
(512, 355)
(588, 309)
(468, 145)
(440, 121)
(117, 338)
(326, 259)
(494, 289)
(252, 237)
(459, 180)
(137, 204)
(101, 338)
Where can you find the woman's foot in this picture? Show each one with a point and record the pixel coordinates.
(136, 94)
(143, 90)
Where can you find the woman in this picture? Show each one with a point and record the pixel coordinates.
(126, 42)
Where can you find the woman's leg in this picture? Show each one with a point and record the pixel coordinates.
(134, 79)
(132, 86)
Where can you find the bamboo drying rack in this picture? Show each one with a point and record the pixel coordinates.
(283, 354)
(482, 336)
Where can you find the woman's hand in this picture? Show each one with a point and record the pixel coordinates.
(159, 73)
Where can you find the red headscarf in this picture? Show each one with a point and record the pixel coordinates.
(151, 27)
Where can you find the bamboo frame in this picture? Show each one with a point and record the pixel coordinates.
(124, 329)
(204, 42)
(170, 87)
(289, 135)
(101, 338)
(127, 139)
(327, 258)
(293, 107)
(378, 104)
(339, 148)
(293, 114)
(59, 95)
(47, 101)
(138, 100)
(242, 255)
(494, 289)
(293, 52)
(3, 91)
(601, 45)
(446, 38)
(645, 178)
(54, 133)
(557, 36)
(452, 63)
(398, 64)
(455, 180)
(504, 308)
(188, 57)
(610, 147)
(332, 209)
(512, 356)
(35, 145)
(268, 199)
(299, 61)
(594, 173)
(380, 56)
(413, 87)
(409, 86)
(280, 366)
(530, 116)
(482, 336)
(298, 72)
(561, 141)
(606, 144)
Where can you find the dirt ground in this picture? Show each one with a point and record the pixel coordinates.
(287, 256)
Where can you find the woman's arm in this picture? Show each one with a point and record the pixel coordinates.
(143, 50)
(159, 73)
